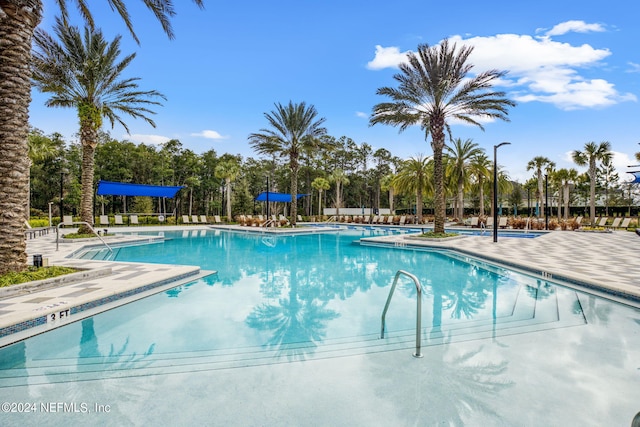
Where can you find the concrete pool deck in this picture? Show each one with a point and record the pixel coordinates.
(601, 261)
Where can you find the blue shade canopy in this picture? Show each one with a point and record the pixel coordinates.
(636, 176)
(126, 189)
(276, 197)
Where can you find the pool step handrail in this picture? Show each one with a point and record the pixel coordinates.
(269, 223)
(80, 222)
(418, 308)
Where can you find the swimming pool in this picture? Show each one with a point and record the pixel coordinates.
(223, 346)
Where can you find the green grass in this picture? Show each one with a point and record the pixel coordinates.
(34, 273)
(432, 235)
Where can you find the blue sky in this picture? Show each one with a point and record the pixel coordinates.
(574, 70)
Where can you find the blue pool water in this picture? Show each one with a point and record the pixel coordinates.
(492, 337)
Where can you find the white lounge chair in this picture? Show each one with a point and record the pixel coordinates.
(489, 222)
(194, 219)
(133, 220)
(118, 220)
(603, 221)
(625, 223)
(104, 220)
(67, 220)
(203, 219)
(217, 219)
(502, 223)
(615, 223)
(474, 221)
(185, 219)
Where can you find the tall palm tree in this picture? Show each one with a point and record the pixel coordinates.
(434, 88)
(83, 72)
(294, 127)
(539, 163)
(320, 184)
(591, 155)
(459, 168)
(227, 170)
(340, 178)
(480, 168)
(18, 21)
(414, 178)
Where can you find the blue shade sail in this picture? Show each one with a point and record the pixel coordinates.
(106, 188)
(276, 197)
(636, 175)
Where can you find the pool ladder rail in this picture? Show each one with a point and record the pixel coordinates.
(418, 308)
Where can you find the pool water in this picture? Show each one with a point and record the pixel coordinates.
(318, 298)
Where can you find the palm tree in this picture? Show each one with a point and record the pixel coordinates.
(566, 177)
(227, 170)
(480, 167)
(321, 185)
(413, 178)
(459, 168)
(387, 185)
(340, 178)
(539, 163)
(294, 128)
(83, 72)
(433, 89)
(592, 154)
(18, 21)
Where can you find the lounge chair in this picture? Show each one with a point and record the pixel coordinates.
(133, 220)
(615, 223)
(489, 222)
(118, 220)
(67, 220)
(217, 219)
(474, 222)
(104, 220)
(203, 219)
(625, 223)
(603, 221)
(403, 219)
(502, 223)
(194, 219)
(185, 219)
(300, 218)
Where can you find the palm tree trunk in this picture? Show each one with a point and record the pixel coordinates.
(88, 140)
(294, 191)
(228, 199)
(592, 195)
(437, 144)
(16, 31)
(481, 187)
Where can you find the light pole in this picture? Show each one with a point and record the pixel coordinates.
(495, 189)
(62, 173)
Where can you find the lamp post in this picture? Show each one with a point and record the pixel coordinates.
(62, 173)
(495, 189)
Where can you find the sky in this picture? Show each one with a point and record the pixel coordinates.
(573, 70)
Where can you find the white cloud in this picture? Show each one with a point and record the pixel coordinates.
(540, 69)
(633, 67)
(209, 134)
(362, 115)
(147, 139)
(386, 57)
(574, 26)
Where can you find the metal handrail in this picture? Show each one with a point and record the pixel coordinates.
(332, 219)
(418, 308)
(268, 222)
(80, 222)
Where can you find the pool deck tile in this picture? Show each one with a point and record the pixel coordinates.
(601, 261)
(18, 311)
